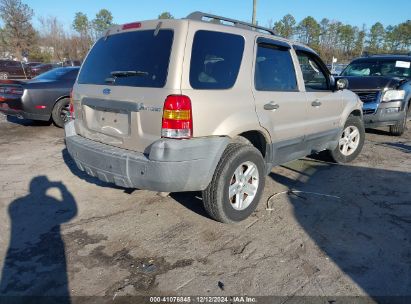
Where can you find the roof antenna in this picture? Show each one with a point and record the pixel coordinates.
(158, 28)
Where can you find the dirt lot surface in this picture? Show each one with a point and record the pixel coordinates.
(64, 233)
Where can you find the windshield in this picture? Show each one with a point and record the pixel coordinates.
(138, 59)
(53, 74)
(394, 68)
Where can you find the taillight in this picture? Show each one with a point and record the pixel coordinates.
(71, 107)
(177, 117)
(7, 93)
(11, 91)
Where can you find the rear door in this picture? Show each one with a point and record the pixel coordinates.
(124, 81)
(281, 106)
(324, 105)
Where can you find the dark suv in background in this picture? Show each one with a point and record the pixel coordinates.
(383, 83)
(12, 69)
(44, 67)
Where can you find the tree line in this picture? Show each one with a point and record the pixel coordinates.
(51, 41)
(331, 38)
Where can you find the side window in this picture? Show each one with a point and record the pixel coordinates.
(15, 64)
(215, 60)
(314, 77)
(274, 69)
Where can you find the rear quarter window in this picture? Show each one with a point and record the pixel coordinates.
(142, 51)
(215, 60)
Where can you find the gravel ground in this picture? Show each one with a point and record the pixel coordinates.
(64, 233)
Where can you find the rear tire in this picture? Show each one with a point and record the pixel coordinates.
(233, 193)
(60, 112)
(399, 128)
(351, 142)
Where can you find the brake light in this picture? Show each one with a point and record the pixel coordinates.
(177, 117)
(132, 25)
(71, 107)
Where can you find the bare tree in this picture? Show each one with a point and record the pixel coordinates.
(18, 32)
(53, 37)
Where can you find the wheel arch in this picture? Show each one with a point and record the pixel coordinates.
(60, 98)
(257, 139)
(356, 113)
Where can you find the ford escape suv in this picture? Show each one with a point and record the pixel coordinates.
(383, 83)
(188, 105)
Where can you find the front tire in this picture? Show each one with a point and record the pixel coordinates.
(60, 112)
(399, 128)
(351, 142)
(237, 184)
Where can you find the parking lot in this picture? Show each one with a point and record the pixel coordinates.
(63, 233)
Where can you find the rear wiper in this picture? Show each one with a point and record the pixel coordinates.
(128, 73)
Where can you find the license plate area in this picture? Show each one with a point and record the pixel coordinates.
(110, 122)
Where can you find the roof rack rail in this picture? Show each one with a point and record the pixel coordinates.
(199, 16)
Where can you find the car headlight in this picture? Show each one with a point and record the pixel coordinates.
(393, 95)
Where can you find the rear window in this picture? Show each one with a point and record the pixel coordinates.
(141, 59)
(58, 73)
(215, 60)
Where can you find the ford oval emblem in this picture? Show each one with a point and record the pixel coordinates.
(106, 91)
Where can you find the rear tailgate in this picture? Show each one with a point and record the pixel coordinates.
(131, 123)
(124, 81)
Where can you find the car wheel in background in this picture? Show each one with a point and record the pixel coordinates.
(4, 75)
(60, 112)
(237, 184)
(399, 128)
(351, 142)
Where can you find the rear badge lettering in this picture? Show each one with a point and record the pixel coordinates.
(106, 91)
(142, 107)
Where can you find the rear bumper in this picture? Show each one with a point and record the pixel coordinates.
(23, 114)
(382, 117)
(23, 108)
(171, 165)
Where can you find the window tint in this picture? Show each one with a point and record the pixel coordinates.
(141, 52)
(215, 60)
(14, 64)
(274, 69)
(314, 76)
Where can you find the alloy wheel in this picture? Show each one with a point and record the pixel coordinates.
(350, 139)
(243, 186)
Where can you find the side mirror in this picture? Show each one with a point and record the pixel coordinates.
(341, 84)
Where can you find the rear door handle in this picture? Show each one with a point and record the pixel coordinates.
(271, 106)
(316, 103)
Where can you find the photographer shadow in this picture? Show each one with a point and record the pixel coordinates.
(35, 263)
